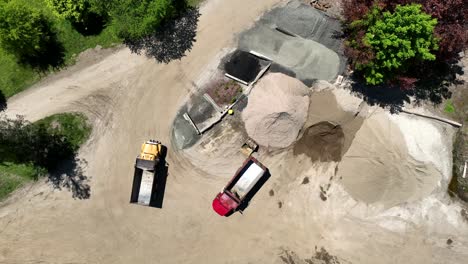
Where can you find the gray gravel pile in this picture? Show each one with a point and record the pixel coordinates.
(307, 22)
(312, 54)
(307, 59)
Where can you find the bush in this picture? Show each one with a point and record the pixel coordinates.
(394, 40)
(72, 10)
(24, 31)
(87, 16)
(43, 144)
(451, 32)
(134, 19)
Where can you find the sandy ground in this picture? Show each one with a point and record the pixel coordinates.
(130, 99)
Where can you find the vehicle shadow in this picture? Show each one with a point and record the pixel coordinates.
(159, 183)
(243, 206)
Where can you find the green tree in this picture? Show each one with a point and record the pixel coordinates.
(73, 10)
(397, 40)
(24, 31)
(134, 19)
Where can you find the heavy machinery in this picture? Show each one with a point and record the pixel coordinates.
(238, 191)
(144, 183)
(249, 147)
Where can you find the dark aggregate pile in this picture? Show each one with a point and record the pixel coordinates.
(321, 142)
(243, 65)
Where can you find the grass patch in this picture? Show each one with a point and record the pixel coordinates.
(72, 126)
(15, 78)
(13, 176)
(194, 2)
(449, 107)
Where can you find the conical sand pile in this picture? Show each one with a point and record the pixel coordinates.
(277, 110)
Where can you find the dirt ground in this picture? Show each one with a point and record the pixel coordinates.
(131, 98)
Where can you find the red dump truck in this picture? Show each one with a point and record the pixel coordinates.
(238, 189)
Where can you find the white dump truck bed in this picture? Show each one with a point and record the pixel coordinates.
(146, 187)
(248, 180)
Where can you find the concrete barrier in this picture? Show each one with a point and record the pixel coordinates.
(236, 79)
(287, 32)
(444, 120)
(464, 170)
(261, 56)
(189, 119)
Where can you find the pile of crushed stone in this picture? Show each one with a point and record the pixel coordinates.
(277, 110)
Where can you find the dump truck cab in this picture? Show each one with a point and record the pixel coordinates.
(149, 155)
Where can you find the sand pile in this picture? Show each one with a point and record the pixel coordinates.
(277, 110)
(330, 128)
(377, 168)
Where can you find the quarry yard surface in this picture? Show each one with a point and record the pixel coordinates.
(355, 184)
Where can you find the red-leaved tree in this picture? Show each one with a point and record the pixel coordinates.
(451, 29)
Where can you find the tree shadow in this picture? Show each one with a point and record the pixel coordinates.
(432, 86)
(435, 80)
(384, 96)
(92, 24)
(69, 175)
(51, 55)
(3, 101)
(171, 40)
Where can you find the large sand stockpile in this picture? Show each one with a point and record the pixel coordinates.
(378, 167)
(277, 110)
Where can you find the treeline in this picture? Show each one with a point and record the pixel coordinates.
(405, 42)
(30, 33)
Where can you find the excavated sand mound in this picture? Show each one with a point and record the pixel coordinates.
(378, 167)
(277, 110)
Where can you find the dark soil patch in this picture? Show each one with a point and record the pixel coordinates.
(321, 142)
(459, 185)
(321, 257)
(464, 214)
(243, 65)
